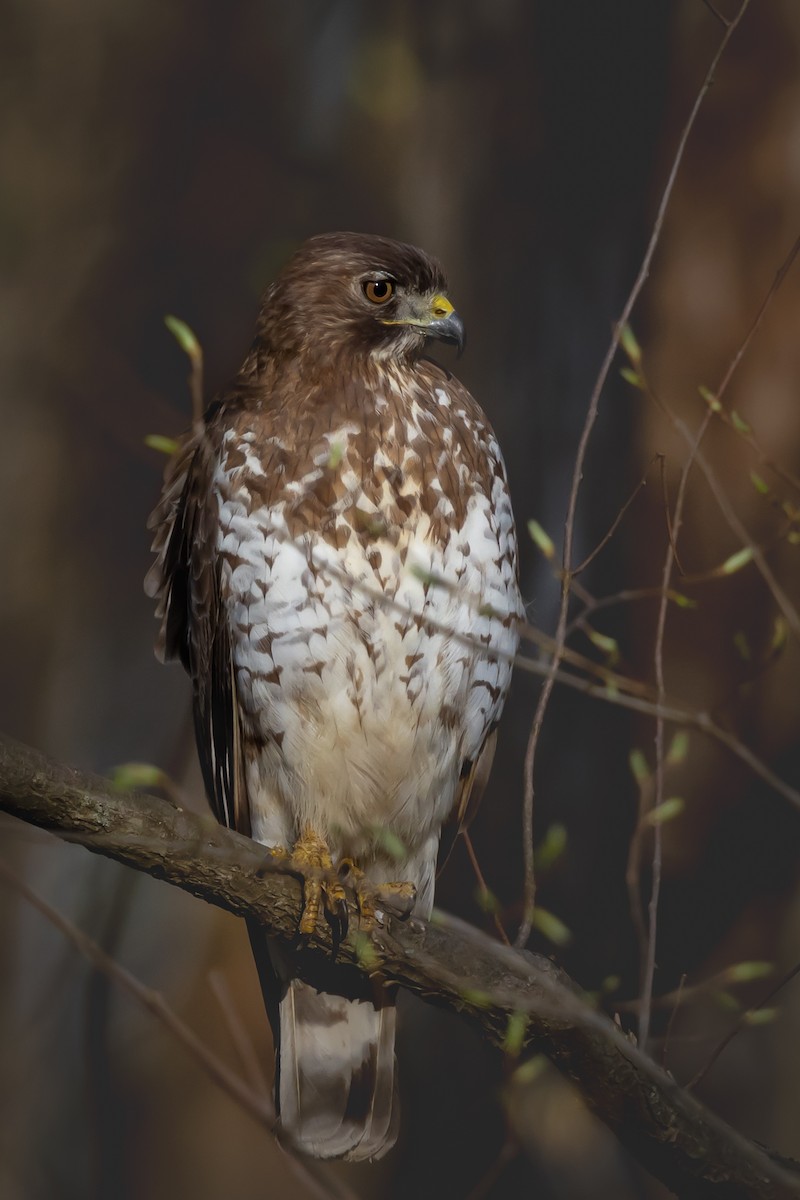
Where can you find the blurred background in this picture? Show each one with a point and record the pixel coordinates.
(166, 159)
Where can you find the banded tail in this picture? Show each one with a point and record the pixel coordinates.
(335, 1091)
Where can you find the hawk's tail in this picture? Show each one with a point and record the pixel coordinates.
(335, 1067)
(335, 1074)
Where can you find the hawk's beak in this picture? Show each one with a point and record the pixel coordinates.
(445, 323)
(435, 317)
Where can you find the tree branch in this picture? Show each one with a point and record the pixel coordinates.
(445, 962)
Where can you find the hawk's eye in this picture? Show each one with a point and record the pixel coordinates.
(378, 291)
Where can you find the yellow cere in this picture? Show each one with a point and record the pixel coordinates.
(441, 307)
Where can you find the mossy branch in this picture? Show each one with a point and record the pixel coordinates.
(444, 961)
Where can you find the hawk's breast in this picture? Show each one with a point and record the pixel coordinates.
(369, 571)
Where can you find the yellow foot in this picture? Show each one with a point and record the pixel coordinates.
(321, 884)
(398, 898)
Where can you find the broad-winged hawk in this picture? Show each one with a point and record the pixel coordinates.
(337, 571)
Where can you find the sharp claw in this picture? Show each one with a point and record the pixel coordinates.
(342, 918)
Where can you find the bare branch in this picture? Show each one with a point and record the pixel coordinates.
(444, 961)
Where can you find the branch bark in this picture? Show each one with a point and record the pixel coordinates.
(445, 962)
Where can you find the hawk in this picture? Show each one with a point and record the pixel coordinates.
(337, 571)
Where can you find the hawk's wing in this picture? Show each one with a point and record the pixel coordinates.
(185, 581)
(469, 793)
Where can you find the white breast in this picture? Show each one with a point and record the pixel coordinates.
(367, 673)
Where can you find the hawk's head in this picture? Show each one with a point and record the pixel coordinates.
(359, 294)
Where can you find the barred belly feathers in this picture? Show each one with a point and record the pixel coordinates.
(337, 570)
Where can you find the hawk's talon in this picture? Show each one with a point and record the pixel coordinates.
(321, 884)
(397, 898)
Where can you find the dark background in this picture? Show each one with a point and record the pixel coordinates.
(166, 159)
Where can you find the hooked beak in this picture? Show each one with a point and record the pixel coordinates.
(435, 317)
(445, 324)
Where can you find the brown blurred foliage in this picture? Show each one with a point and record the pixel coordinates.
(165, 159)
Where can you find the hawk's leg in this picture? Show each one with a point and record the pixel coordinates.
(398, 898)
(321, 883)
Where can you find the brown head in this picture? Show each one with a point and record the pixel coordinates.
(359, 294)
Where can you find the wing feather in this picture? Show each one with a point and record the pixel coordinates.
(469, 793)
(185, 582)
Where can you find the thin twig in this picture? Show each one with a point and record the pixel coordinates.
(688, 719)
(668, 517)
(242, 1042)
(649, 964)
(624, 596)
(745, 434)
(721, 570)
(529, 891)
(780, 275)
(744, 1020)
(633, 870)
(615, 524)
(695, 455)
(476, 867)
(711, 8)
(648, 973)
(782, 600)
(483, 1188)
(671, 1022)
(729, 513)
(638, 696)
(712, 985)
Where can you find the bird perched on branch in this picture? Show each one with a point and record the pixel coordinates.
(337, 571)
